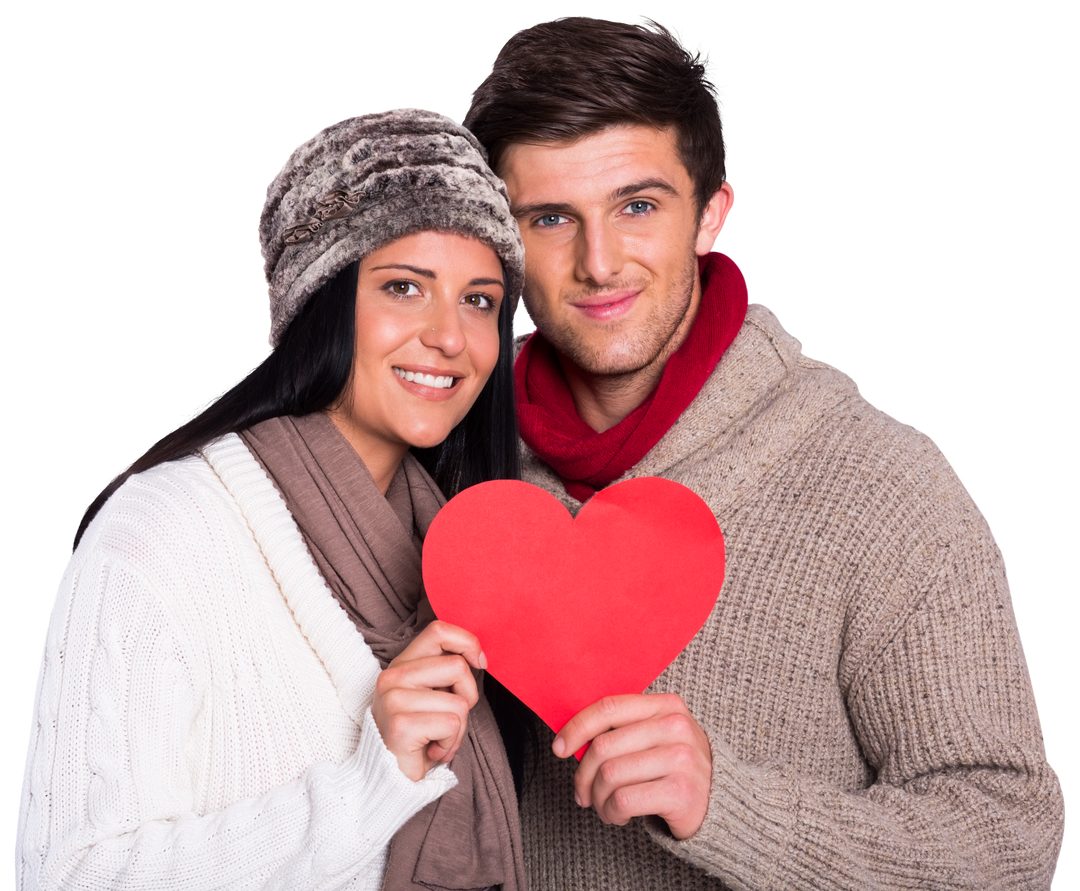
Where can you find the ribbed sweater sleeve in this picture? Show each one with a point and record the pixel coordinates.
(137, 703)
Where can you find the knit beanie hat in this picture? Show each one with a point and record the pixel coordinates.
(368, 181)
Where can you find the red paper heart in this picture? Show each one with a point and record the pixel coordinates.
(569, 610)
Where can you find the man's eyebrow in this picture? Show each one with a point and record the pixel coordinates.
(528, 210)
(645, 185)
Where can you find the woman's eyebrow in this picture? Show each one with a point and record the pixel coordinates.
(430, 273)
(416, 270)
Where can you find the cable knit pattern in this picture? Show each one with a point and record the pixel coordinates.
(860, 679)
(203, 718)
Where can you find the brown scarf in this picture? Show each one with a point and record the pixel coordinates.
(367, 547)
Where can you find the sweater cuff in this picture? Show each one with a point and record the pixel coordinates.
(749, 826)
(371, 800)
(398, 793)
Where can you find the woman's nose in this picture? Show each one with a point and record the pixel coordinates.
(442, 328)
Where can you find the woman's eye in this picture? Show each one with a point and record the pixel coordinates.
(480, 301)
(639, 207)
(403, 289)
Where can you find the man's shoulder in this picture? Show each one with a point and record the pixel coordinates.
(765, 348)
(768, 409)
(763, 390)
(813, 396)
(766, 364)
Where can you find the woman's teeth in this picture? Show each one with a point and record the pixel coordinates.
(428, 380)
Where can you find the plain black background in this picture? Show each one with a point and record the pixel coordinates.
(877, 214)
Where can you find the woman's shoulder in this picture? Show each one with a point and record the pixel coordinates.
(179, 506)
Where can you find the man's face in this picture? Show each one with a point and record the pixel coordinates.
(611, 238)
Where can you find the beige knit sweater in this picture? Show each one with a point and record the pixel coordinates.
(860, 679)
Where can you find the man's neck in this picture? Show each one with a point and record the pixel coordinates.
(602, 401)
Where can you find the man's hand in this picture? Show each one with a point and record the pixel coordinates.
(648, 756)
(422, 699)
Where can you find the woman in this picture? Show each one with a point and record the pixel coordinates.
(242, 686)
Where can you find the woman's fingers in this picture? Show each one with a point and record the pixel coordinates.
(420, 727)
(422, 699)
(419, 740)
(399, 705)
(440, 638)
(449, 673)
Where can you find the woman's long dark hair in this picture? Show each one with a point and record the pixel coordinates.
(308, 371)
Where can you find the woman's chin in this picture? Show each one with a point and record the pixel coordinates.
(427, 438)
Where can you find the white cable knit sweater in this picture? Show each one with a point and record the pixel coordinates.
(203, 716)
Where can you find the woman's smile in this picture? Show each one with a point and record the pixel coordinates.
(427, 379)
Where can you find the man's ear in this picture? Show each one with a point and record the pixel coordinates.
(712, 218)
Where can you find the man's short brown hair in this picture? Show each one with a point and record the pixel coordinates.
(563, 80)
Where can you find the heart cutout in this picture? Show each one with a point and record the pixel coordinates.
(569, 610)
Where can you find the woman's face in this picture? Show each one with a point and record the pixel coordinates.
(427, 339)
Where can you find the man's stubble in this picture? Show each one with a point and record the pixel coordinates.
(625, 355)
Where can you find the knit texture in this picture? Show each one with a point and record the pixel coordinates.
(860, 679)
(203, 717)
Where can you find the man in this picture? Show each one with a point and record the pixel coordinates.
(856, 712)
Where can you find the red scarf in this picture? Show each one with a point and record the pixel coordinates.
(586, 460)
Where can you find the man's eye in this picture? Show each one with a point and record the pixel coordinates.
(636, 207)
(551, 219)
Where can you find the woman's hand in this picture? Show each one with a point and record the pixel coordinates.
(422, 699)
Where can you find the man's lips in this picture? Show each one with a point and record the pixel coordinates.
(603, 307)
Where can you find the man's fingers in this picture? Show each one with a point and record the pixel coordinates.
(670, 781)
(610, 713)
(626, 755)
(627, 802)
(648, 756)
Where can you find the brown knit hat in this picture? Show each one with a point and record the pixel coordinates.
(368, 181)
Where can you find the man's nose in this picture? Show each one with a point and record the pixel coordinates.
(599, 253)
